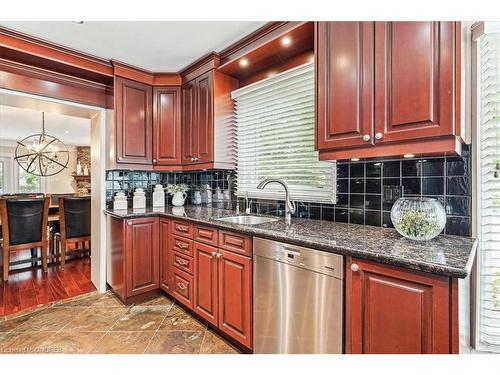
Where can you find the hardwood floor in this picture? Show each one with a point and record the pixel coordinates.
(28, 288)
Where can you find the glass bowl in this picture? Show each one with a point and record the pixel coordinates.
(418, 218)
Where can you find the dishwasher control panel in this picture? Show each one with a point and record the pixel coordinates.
(315, 260)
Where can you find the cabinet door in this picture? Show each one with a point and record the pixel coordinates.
(166, 126)
(235, 296)
(189, 127)
(165, 255)
(205, 288)
(142, 255)
(344, 84)
(414, 82)
(395, 311)
(133, 122)
(205, 119)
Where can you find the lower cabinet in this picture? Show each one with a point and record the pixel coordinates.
(133, 256)
(394, 311)
(142, 254)
(235, 296)
(165, 276)
(206, 282)
(223, 290)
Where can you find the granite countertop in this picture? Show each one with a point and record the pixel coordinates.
(445, 255)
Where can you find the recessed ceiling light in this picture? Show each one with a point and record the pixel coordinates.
(244, 62)
(66, 131)
(355, 159)
(408, 156)
(286, 41)
(78, 22)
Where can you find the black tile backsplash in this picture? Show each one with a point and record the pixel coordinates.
(366, 191)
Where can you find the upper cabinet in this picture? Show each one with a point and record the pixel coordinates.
(198, 125)
(387, 89)
(344, 83)
(166, 126)
(134, 131)
(208, 128)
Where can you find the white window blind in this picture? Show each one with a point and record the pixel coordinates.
(275, 138)
(489, 189)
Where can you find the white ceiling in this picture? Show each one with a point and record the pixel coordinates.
(18, 123)
(155, 46)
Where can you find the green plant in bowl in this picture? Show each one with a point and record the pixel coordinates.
(416, 224)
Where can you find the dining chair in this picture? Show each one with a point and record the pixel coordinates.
(24, 226)
(74, 219)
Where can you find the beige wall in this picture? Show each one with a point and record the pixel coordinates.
(62, 182)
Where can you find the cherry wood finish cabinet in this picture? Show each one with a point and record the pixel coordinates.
(166, 126)
(198, 125)
(134, 131)
(387, 88)
(206, 120)
(206, 280)
(390, 310)
(133, 265)
(235, 296)
(165, 274)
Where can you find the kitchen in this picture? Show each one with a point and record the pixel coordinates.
(299, 187)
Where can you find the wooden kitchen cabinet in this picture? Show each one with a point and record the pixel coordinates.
(142, 255)
(166, 126)
(394, 311)
(235, 296)
(207, 112)
(133, 128)
(387, 89)
(165, 273)
(206, 285)
(344, 89)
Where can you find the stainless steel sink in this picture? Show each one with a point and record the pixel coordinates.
(247, 219)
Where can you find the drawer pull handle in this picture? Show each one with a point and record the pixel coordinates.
(182, 262)
(182, 245)
(181, 228)
(181, 286)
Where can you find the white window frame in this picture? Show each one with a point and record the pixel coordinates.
(478, 29)
(252, 98)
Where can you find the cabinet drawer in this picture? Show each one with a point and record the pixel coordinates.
(235, 242)
(182, 228)
(182, 262)
(182, 245)
(183, 287)
(206, 235)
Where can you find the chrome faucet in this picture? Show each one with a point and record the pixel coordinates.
(289, 205)
(248, 204)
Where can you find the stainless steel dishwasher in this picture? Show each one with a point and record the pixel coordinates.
(298, 296)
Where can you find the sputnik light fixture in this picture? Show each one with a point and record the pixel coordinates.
(42, 154)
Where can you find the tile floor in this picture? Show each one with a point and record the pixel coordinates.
(101, 324)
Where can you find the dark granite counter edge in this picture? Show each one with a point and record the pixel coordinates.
(431, 268)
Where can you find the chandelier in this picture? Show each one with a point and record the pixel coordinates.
(42, 154)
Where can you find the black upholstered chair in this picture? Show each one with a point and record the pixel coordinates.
(24, 226)
(74, 219)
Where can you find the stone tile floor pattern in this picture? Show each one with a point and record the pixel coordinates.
(101, 324)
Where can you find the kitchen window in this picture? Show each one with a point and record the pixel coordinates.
(275, 138)
(488, 184)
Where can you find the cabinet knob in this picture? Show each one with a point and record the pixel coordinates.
(120, 158)
(192, 159)
(154, 161)
(219, 255)
(129, 222)
(354, 267)
(366, 137)
(378, 136)
(214, 254)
